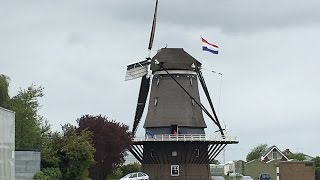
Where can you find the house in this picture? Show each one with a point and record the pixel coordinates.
(273, 153)
(278, 166)
(284, 170)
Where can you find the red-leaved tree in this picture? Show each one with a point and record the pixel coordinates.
(110, 139)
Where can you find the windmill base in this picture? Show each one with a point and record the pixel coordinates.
(186, 172)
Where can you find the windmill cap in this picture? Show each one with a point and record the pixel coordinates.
(173, 58)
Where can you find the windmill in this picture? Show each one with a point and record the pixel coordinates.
(175, 144)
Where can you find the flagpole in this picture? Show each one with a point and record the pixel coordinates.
(201, 49)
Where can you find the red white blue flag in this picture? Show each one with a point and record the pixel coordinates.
(206, 46)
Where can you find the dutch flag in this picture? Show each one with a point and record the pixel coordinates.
(206, 46)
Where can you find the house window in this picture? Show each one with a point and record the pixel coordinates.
(275, 155)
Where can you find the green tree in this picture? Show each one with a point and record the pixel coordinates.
(75, 152)
(116, 174)
(49, 157)
(129, 168)
(48, 174)
(317, 161)
(26, 106)
(297, 156)
(216, 162)
(257, 152)
(4, 90)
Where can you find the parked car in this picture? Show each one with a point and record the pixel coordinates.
(264, 176)
(135, 176)
(247, 178)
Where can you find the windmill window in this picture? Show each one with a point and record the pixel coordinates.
(158, 81)
(155, 101)
(192, 101)
(174, 170)
(152, 153)
(174, 153)
(197, 153)
(190, 80)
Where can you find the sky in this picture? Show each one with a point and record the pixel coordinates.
(78, 51)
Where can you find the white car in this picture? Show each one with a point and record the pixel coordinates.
(135, 176)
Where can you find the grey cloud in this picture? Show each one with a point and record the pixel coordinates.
(232, 16)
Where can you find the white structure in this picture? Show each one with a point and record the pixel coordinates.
(130, 159)
(27, 164)
(229, 167)
(7, 134)
(216, 169)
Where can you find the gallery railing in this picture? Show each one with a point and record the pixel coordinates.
(184, 137)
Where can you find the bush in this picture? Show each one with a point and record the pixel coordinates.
(40, 176)
(48, 174)
(129, 168)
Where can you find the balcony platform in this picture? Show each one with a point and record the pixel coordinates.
(210, 145)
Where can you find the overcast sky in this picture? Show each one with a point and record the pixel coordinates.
(78, 51)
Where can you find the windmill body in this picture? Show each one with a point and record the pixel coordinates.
(170, 108)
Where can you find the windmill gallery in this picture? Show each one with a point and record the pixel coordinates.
(175, 145)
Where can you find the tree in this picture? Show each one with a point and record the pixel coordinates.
(317, 161)
(75, 152)
(257, 152)
(4, 90)
(297, 156)
(216, 162)
(29, 126)
(49, 157)
(129, 168)
(48, 174)
(116, 174)
(25, 105)
(110, 139)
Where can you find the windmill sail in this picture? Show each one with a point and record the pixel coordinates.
(153, 29)
(137, 70)
(143, 94)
